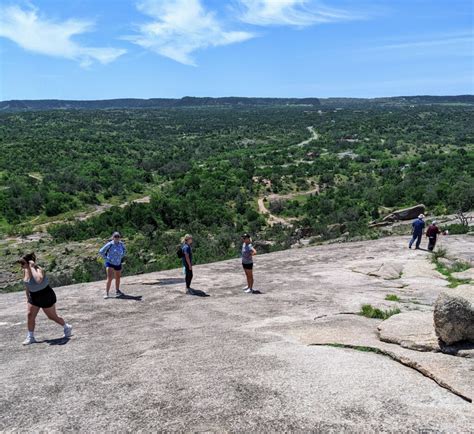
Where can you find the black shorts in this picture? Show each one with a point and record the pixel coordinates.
(247, 266)
(44, 298)
(115, 267)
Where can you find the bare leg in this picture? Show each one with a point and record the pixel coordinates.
(53, 316)
(118, 274)
(110, 277)
(249, 276)
(31, 316)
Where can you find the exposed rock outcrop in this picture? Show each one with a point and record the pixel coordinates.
(467, 274)
(413, 330)
(236, 361)
(454, 315)
(405, 214)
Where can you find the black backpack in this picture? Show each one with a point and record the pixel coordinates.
(179, 252)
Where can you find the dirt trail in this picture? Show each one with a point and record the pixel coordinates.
(273, 219)
(98, 209)
(314, 136)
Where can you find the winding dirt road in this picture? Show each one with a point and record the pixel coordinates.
(272, 219)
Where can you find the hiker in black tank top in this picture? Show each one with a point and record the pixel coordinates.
(39, 295)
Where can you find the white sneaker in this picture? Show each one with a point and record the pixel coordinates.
(245, 289)
(29, 340)
(106, 296)
(249, 290)
(67, 331)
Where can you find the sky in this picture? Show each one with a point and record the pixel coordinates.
(102, 49)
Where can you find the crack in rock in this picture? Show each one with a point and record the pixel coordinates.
(402, 360)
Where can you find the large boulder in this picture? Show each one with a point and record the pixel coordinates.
(454, 315)
(405, 214)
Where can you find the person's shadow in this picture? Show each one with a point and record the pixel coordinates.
(129, 297)
(197, 293)
(58, 341)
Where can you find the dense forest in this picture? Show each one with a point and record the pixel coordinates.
(202, 170)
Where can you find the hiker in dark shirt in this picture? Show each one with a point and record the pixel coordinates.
(418, 225)
(432, 234)
(187, 259)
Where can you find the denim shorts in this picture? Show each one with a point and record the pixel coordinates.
(115, 267)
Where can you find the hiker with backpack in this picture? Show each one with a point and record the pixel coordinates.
(113, 253)
(185, 252)
(39, 295)
(248, 252)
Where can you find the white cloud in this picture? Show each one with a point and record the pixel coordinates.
(300, 13)
(180, 27)
(466, 40)
(37, 34)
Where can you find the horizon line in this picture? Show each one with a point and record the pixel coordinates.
(237, 96)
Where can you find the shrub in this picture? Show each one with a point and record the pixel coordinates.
(457, 229)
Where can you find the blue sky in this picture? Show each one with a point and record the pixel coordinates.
(98, 49)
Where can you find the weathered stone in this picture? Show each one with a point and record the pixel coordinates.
(448, 263)
(388, 271)
(406, 213)
(359, 334)
(467, 274)
(234, 361)
(413, 330)
(454, 315)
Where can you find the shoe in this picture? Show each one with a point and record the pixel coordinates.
(118, 293)
(67, 331)
(29, 340)
(190, 291)
(245, 289)
(249, 290)
(106, 296)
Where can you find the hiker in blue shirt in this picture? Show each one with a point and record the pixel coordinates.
(113, 253)
(417, 231)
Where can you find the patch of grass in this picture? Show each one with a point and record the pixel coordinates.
(356, 347)
(457, 266)
(372, 312)
(392, 297)
(441, 252)
(453, 282)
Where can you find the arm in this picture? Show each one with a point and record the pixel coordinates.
(26, 276)
(253, 252)
(188, 261)
(103, 250)
(36, 272)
